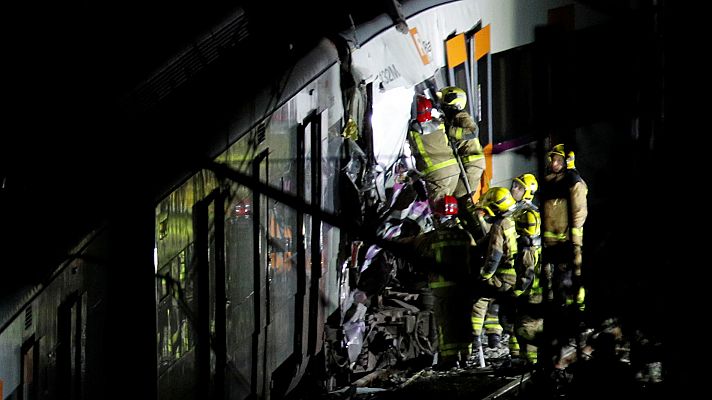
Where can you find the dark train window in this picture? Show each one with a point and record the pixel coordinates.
(461, 79)
(512, 94)
(482, 110)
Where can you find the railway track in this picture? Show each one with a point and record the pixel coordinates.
(467, 383)
(508, 389)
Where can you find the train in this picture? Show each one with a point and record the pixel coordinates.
(227, 283)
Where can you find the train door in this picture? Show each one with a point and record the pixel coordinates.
(309, 138)
(469, 66)
(30, 368)
(232, 291)
(246, 279)
(261, 283)
(242, 291)
(204, 256)
(71, 331)
(296, 243)
(257, 267)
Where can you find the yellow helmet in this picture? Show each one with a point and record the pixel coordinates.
(528, 223)
(497, 200)
(558, 150)
(530, 185)
(452, 97)
(569, 156)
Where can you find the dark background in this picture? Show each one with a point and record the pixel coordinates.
(74, 152)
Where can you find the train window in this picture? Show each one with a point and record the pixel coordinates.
(307, 162)
(482, 77)
(175, 298)
(282, 173)
(512, 84)
(458, 64)
(174, 219)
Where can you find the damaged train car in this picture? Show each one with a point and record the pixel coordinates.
(283, 263)
(266, 257)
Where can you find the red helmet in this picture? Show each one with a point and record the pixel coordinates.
(424, 106)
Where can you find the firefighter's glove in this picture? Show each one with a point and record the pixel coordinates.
(577, 260)
(581, 295)
(517, 292)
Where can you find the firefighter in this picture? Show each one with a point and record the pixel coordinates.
(447, 249)
(563, 199)
(523, 188)
(497, 275)
(464, 133)
(434, 158)
(528, 290)
(563, 196)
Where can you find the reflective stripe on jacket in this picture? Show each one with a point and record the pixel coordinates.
(432, 151)
(559, 191)
(464, 132)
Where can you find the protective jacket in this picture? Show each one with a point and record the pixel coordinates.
(501, 251)
(449, 253)
(463, 131)
(430, 146)
(559, 192)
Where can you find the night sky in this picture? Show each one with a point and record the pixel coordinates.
(70, 157)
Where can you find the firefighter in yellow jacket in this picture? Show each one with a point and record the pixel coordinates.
(529, 321)
(464, 133)
(434, 158)
(564, 206)
(527, 220)
(497, 275)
